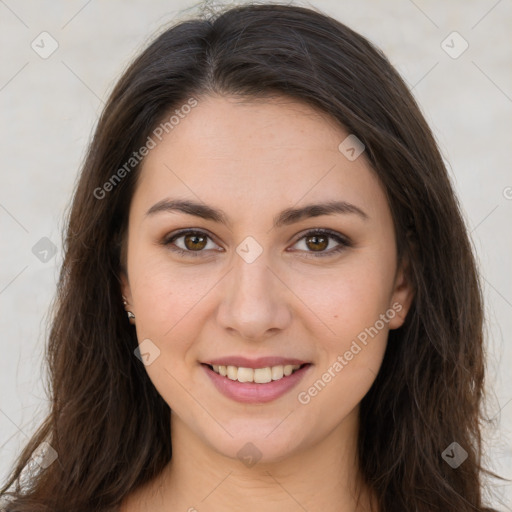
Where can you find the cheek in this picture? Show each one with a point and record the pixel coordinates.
(167, 301)
(347, 297)
(350, 298)
(165, 293)
(356, 306)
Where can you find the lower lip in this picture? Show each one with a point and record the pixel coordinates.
(252, 393)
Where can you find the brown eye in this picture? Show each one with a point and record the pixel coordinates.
(189, 242)
(195, 242)
(317, 242)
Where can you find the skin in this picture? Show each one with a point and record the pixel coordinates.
(252, 159)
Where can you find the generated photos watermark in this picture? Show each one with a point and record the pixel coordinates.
(137, 156)
(304, 397)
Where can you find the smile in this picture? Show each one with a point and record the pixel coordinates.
(257, 375)
(255, 385)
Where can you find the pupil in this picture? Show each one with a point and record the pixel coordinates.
(315, 237)
(194, 237)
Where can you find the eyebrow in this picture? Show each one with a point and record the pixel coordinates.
(286, 217)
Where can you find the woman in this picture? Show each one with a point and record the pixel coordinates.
(268, 297)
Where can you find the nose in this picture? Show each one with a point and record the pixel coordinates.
(255, 300)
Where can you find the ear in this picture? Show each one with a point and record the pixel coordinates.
(125, 286)
(403, 294)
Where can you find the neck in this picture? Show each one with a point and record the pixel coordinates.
(322, 476)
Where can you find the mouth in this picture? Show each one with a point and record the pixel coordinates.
(263, 375)
(256, 385)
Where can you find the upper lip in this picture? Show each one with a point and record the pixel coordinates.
(260, 362)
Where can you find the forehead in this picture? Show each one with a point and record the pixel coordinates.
(256, 152)
(229, 127)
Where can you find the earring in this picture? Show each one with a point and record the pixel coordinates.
(131, 316)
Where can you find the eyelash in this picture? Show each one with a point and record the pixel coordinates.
(343, 241)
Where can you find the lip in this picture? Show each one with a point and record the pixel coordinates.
(260, 362)
(251, 392)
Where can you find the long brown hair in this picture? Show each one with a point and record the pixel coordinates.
(108, 424)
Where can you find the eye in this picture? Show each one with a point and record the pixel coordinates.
(319, 240)
(193, 242)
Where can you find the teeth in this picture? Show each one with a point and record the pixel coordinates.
(232, 372)
(245, 375)
(288, 369)
(277, 372)
(257, 375)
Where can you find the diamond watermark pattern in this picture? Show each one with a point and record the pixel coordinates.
(454, 455)
(147, 352)
(454, 45)
(44, 250)
(249, 454)
(249, 250)
(351, 147)
(44, 455)
(44, 45)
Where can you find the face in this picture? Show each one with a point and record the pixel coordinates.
(252, 278)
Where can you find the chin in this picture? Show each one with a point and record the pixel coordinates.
(260, 442)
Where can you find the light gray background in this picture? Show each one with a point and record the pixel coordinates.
(50, 106)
